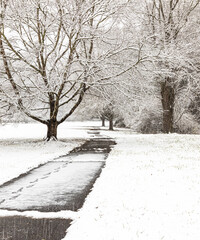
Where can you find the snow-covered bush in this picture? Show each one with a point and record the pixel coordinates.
(151, 123)
(187, 125)
(119, 122)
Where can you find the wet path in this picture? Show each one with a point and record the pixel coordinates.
(52, 187)
(61, 184)
(21, 228)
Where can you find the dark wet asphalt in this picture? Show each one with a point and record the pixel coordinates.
(21, 228)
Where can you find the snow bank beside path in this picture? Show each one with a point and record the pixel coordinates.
(22, 147)
(149, 190)
(38, 215)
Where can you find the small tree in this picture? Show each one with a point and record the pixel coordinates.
(108, 113)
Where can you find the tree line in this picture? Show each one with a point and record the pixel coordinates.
(137, 60)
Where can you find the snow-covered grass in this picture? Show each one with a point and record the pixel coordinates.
(22, 146)
(149, 190)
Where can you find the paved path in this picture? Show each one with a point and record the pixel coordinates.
(61, 184)
(52, 187)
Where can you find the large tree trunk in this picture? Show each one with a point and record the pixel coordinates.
(103, 121)
(168, 98)
(111, 124)
(52, 123)
(52, 130)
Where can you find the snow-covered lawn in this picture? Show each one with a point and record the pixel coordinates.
(149, 190)
(22, 147)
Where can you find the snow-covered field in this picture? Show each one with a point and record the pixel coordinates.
(149, 189)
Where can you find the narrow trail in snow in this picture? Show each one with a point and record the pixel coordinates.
(61, 184)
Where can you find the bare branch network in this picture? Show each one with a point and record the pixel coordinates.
(57, 53)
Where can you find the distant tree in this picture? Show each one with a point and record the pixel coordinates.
(98, 105)
(108, 113)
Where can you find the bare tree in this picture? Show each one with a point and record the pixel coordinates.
(54, 51)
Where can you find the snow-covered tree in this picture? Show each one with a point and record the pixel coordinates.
(54, 51)
(162, 31)
(167, 21)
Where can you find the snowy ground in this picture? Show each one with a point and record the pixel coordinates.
(149, 189)
(22, 146)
